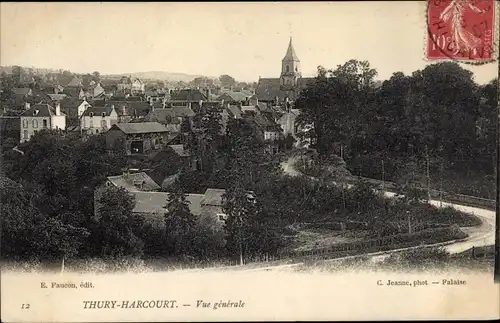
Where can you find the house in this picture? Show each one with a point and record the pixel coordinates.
(153, 205)
(288, 85)
(22, 92)
(98, 119)
(74, 92)
(267, 130)
(188, 159)
(172, 117)
(74, 108)
(139, 181)
(127, 85)
(189, 95)
(56, 97)
(234, 97)
(212, 203)
(234, 111)
(138, 138)
(39, 117)
(128, 110)
(75, 83)
(287, 121)
(96, 91)
(138, 86)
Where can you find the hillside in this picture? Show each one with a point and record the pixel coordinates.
(158, 75)
(152, 75)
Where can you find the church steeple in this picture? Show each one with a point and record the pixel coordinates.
(290, 53)
(290, 69)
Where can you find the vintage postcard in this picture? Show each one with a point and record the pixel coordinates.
(282, 161)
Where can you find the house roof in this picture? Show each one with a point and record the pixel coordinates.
(182, 111)
(134, 182)
(235, 111)
(21, 90)
(189, 95)
(155, 202)
(57, 97)
(179, 149)
(69, 103)
(140, 127)
(233, 96)
(163, 116)
(270, 88)
(98, 111)
(40, 110)
(125, 80)
(213, 196)
(72, 91)
(75, 82)
(138, 108)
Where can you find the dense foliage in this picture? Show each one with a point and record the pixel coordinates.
(437, 117)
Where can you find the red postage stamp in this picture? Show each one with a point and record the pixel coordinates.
(461, 30)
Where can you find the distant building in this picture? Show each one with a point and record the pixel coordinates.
(98, 119)
(152, 205)
(74, 92)
(74, 108)
(288, 85)
(39, 117)
(75, 83)
(138, 138)
(135, 86)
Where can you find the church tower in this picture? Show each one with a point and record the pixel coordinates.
(290, 69)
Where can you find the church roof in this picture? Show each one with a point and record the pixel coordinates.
(290, 53)
(268, 89)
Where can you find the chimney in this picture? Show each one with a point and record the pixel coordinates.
(27, 105)
(58, 108)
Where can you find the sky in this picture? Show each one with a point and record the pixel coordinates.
(244, 40)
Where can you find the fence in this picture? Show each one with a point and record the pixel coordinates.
(439, 195)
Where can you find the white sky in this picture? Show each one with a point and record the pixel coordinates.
(244, 40)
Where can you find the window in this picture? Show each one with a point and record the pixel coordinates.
(35, 123)
(26, 134)
(25, 123)
(44, 123)
(103, 124)
(221, 217)
(287, 68)
(91, 123)
(97, 131)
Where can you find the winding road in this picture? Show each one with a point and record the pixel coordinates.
(482, 235)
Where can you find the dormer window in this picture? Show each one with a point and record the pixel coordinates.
(91, 114)
(36, 112)
(103, 114)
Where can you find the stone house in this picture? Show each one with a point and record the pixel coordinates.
(98, 119)
(40, 117)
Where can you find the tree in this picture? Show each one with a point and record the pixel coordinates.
(179, 224)
(96, 76)
(28, 233)
(240, 209)
(115, 227)
(227, 81)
